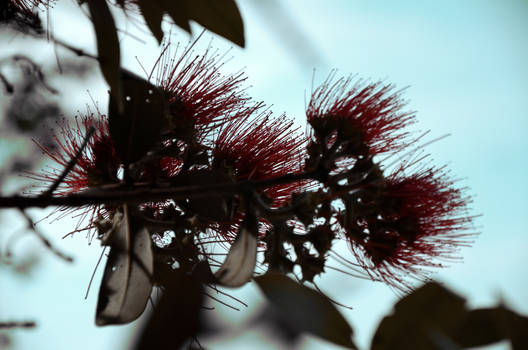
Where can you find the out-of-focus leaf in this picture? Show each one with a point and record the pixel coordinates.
(135, 131)
(269, 317)
(432, 317)
(127, 279)
(240, 262)
(419, 319)
(177, 10)
(517, 328)
(176, 317)
(481, 327)
(219, 16)
(107, 46)
(488, 326)
(153, 14)
(305, 309)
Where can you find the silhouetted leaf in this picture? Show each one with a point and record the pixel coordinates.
(127, 283)
(153, 14)
(177, 10)
(107, 46)
(268, 316)
(219, 16)
(481, 327)
(517, 326)
(240, 262)
(492, 325)
(176, 317)
(421, 319)
(136, 129)
(432, 317)
(305, 309)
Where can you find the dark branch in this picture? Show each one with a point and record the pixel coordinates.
(140, 193)
(25, 324)
(47, 243)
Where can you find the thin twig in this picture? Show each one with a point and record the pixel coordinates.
(47, 243)
(25, 324)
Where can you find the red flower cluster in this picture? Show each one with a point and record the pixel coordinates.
(256, 146)
(395, 224)
(373, 109)
(97, 165)
(260, 147)
(28, 5)
(398, 223)
(412, 220)
(198, 94)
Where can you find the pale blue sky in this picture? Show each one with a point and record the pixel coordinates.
(465, 65)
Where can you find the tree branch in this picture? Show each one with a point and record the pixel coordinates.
(140, 193)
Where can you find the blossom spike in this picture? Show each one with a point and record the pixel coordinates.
(373, 109)
(196, 90)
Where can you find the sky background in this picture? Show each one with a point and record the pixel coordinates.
(465, 66)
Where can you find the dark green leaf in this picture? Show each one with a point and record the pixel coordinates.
(153, 14)
(219, 16)
(481, 327)
(107, 46)
(177, 10)
(420, 320)
(127, 283)
(517, 326)
(176, 317)
(305, 309)
(137, 129)
(269, 317)
(487, 326)
(434, 318)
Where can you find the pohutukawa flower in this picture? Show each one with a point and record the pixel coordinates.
(408, 223)
(98, 163)
(257, 146)
(261, 147)
(372, 110)
(28, 5)
(200, 97)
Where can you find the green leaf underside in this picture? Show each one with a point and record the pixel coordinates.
(137, 129)
(126, 284)
(305, 309)
(240, 262)
(107, 45)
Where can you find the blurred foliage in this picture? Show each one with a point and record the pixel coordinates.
(434, 318)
